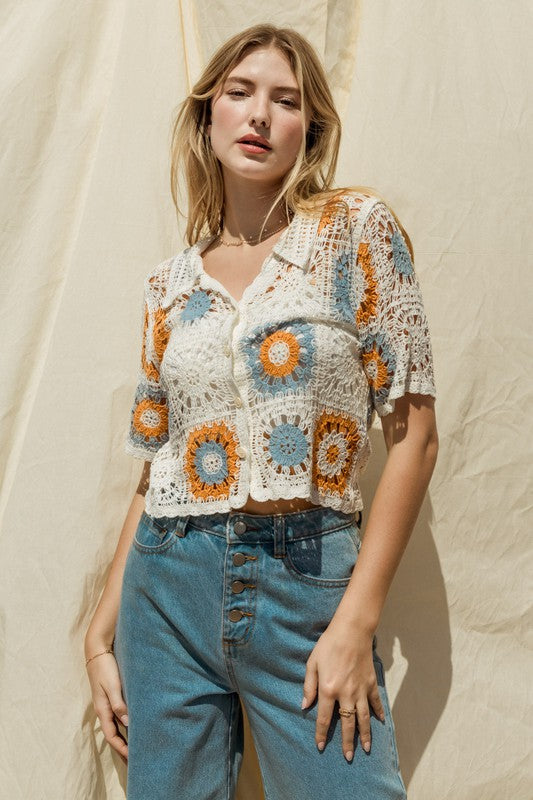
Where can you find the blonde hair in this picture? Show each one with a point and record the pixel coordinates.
(306, 188)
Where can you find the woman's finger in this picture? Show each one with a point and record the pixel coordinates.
(363, 722)
(310, 683)
(348, 727)
(118, 705)
(326, 704)
(375, 700)
(110, 730)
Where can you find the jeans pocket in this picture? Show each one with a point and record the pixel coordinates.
(154, 534)
(326, 558)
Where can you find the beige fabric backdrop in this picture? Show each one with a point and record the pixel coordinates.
(434, 99)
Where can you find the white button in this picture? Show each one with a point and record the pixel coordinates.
(238, 402)
(241, 452)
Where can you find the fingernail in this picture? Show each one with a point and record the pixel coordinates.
(124, 720)
(367, 747)
(321, 745)
(304, 703)
(382, 717)
(349, 755)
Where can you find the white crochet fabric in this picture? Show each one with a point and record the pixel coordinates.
(273, 396)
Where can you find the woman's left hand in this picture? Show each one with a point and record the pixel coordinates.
(342, 668)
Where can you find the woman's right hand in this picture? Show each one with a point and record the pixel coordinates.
(108, 702)
(103, 671)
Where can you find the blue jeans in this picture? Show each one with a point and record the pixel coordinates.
(225, 606)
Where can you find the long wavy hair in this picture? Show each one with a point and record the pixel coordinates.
(307, 186)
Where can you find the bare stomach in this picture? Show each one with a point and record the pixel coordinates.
(281, 506)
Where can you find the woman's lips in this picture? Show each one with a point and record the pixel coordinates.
(253, 148)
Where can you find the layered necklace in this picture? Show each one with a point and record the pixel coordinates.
(249, 240)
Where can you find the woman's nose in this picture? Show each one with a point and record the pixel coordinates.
(259, 115)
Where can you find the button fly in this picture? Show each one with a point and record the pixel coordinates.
(239, 559)
(239, 527)
(237, 587)
(235, 614)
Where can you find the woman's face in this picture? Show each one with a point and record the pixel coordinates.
(260, 96)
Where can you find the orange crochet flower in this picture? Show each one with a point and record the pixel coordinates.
(329, 212)
(368, 305)
(378, 365)
(279, 353)
(211, 463)
(150, 418)
(161, 336)
(336, 440)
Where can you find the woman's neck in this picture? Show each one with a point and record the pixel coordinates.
(245, 208)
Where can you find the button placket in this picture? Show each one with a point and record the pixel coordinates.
(241, 583)
(239, 379)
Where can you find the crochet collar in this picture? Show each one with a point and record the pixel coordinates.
(295, 244)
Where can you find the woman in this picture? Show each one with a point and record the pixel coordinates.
(269, 344)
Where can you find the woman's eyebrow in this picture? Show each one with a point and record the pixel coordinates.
(248, 82)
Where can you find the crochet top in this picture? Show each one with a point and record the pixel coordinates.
(274, 395)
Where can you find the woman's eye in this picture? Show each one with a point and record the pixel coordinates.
(284, 100)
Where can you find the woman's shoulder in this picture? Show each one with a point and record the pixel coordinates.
(359, 199)
(346, 207)
(167, 273)
(162, 269)
(351, 201)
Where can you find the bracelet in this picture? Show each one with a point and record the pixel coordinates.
(109, 650)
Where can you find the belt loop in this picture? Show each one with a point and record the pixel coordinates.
(279, 536)
(181, 525)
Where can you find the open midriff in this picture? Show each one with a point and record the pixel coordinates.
(281, 506)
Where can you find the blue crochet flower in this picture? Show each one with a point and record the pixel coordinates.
(401, 254)
(288, 445)
(211, 462)
(342, 283)
(197, 305)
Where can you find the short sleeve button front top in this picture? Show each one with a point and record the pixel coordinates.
(273, 396)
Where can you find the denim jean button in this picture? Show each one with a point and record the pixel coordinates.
(235, 614)
(239, 527)
(237, 586)
(239, 559)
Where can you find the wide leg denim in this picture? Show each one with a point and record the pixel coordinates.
(228, 605)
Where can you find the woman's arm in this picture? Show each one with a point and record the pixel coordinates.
(340, 667)
(101, 631)
(411, 438)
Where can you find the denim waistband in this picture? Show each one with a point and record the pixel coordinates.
(235, 526)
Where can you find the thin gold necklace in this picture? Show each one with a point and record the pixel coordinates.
(241, 241)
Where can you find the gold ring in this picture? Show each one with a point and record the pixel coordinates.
(346, 712)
